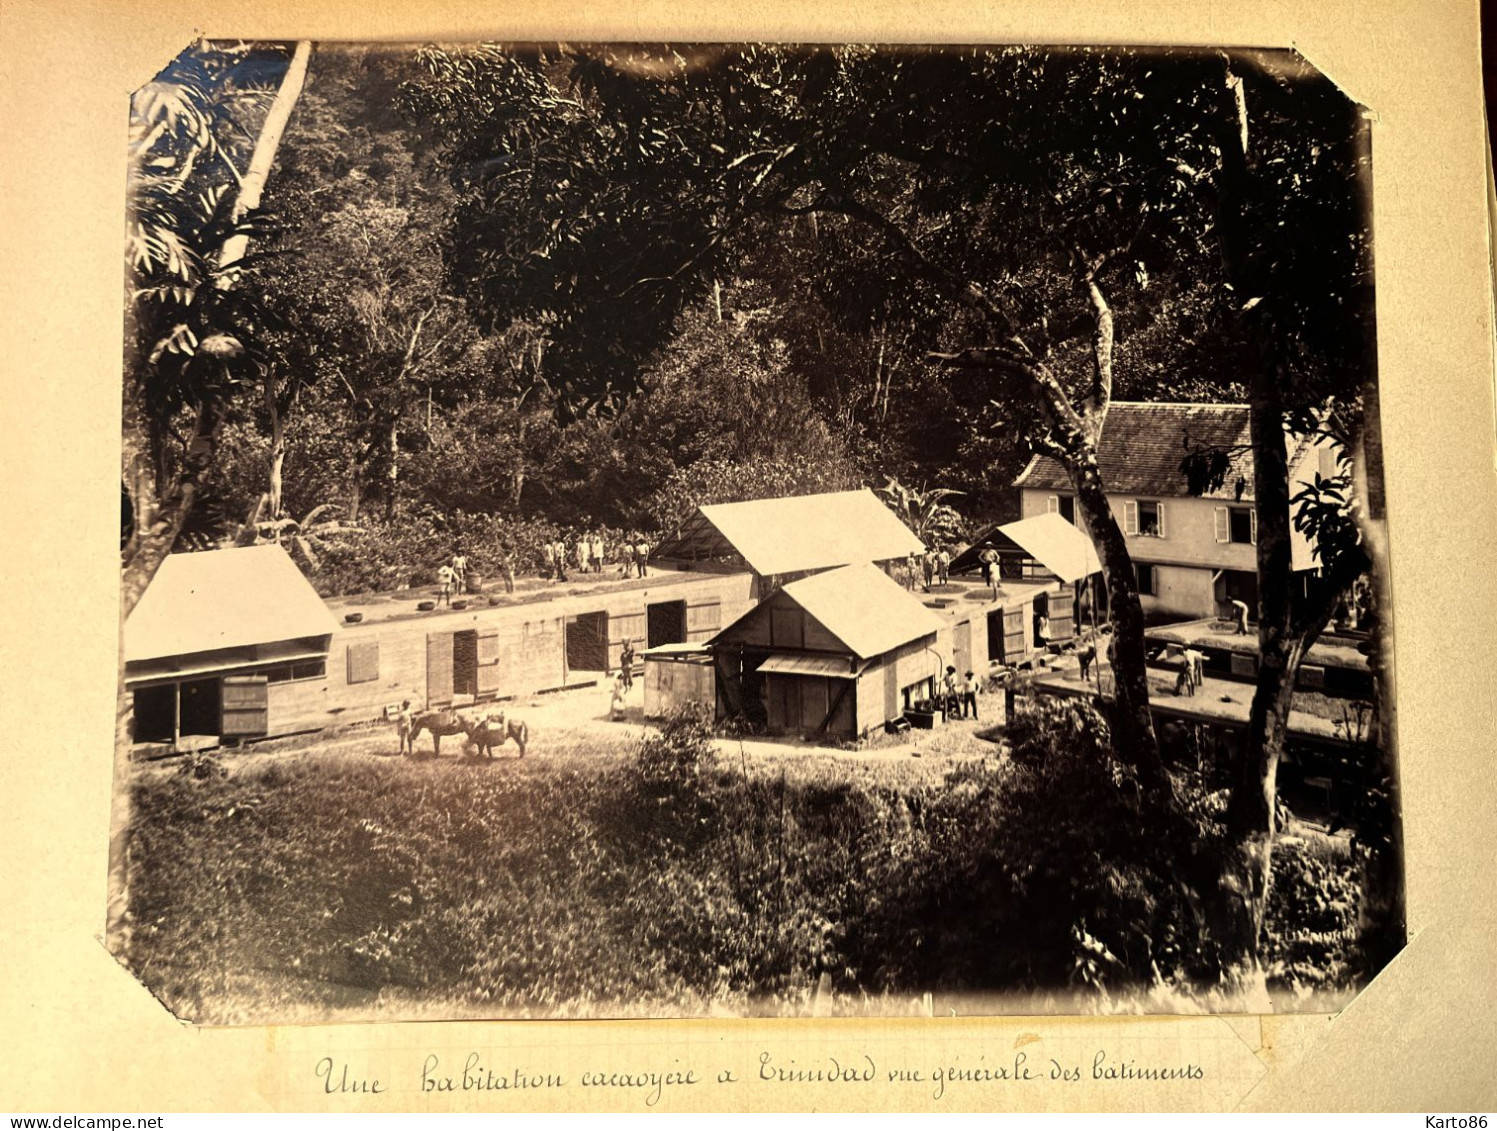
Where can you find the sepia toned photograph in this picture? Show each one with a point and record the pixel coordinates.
(620, 530)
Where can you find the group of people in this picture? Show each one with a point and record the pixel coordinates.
(455, 578)
(933, 565)
(583, 552)
(587, 553)
(452, 577)
(960, 694)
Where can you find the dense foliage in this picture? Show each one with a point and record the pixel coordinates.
(678, 878)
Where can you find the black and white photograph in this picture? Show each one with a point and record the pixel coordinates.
(656, 530)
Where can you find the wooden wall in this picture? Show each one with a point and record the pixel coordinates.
(671, 684)
(531, 644)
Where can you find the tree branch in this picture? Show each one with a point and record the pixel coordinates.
(1313, 617)
(1102, 343)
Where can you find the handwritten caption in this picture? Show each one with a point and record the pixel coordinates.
(437, 1075)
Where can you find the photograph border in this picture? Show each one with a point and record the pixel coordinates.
(1416, 1038)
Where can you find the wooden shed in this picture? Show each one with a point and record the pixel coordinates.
(833, 655)
(225, 644)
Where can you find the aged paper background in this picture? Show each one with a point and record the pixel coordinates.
(81, 1035)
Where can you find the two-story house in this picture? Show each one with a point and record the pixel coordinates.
(1194, 554)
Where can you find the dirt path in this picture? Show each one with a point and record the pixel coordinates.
(577, 722)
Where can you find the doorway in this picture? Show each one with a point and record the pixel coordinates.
(465, 662)
(156, 713)
(1237, 585)
(665, 623)
(200, 707)
(587, 642)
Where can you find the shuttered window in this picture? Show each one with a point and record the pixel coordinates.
(363, 662)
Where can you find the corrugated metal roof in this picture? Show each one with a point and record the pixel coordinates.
(1055, 544)
(863, 607)
(1144, 442)
(806, 532)
(801, 663)
(662, 651)
(224, 599)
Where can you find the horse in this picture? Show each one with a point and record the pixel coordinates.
(496, 730)
(440, 724)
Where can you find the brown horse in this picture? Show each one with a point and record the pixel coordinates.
(495, 730)
(439, 724)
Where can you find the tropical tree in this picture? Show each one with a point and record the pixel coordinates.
(924, 510)
(1290, 193)
(995, 203)
(192, 333)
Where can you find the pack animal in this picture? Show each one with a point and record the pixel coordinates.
(439, 724)
(496, 730)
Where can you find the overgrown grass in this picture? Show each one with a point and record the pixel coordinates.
(670, 880)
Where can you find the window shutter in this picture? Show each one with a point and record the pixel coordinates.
(1223, 525)
(1052, 504)
(1159, 508)
(1253, 519)
(1130, 517)
(363, 662)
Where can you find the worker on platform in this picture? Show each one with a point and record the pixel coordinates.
(445, 581)
(1241, 610)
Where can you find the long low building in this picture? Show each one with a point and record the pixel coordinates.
(236, 644)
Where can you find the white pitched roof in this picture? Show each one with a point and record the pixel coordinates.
(865, 608)
(813, 531)
(1056, 544)
(224, 599)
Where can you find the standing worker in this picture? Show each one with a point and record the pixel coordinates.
(597, 548)
(969, 695)
(1241, 609)
(943, 566)
(445, 579)
(460, 571)
(626, 665)
(404, 721)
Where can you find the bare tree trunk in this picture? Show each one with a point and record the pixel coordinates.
(392, 477)
(277, 460)
(263, 159)
(1132, 722)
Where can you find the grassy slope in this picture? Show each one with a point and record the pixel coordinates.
(338, 883)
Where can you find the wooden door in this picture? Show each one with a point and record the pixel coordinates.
(815, 702)
(784, 703)
(439, 669)
(488, 661)
(703, 619)
(246, 706)
(962, 648)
